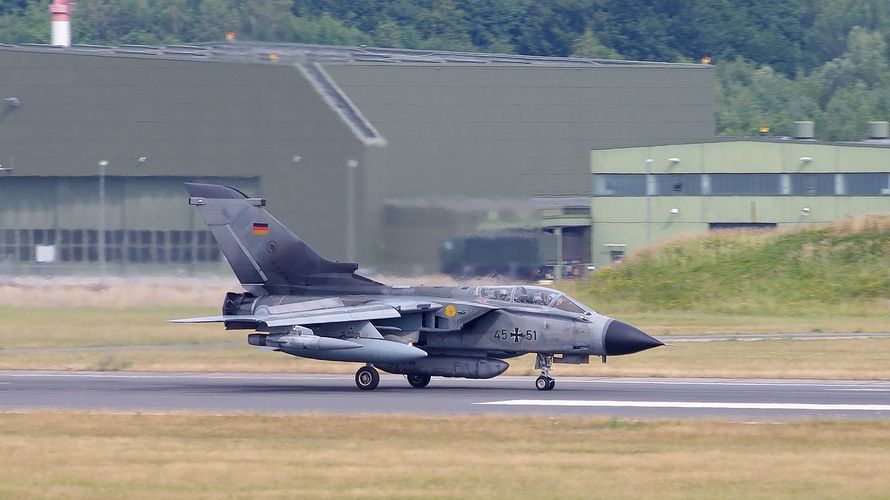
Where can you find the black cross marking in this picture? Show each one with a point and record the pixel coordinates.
(516, 335)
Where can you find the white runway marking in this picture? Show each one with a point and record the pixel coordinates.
(687, 404)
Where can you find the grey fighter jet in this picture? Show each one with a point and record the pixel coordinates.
(301, 304)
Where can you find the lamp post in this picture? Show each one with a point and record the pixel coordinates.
(649, 190)
(102, 165)
(351, 172)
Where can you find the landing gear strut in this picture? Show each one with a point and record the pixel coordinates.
(418, 381)
(543, 362)
(367, 378)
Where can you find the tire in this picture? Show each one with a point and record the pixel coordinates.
(542, 383)
(551, 384)
(418, 381)
(367, 378)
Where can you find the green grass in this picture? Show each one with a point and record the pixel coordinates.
(840, 268)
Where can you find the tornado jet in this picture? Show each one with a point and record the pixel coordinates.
(299, 303)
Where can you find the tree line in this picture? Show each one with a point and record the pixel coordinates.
(775, 62)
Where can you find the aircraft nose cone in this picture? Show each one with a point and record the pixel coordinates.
(622, 338)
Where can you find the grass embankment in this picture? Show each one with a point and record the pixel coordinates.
(260, 456)
(842, 268)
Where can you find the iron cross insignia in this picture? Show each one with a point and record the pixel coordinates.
(516, 335)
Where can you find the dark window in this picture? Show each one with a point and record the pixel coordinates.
(678, 184)
(619, 185)
(745, 184)
(812, 184)
(867, 183)
(715, 226)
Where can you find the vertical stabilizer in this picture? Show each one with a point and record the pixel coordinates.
(265, 255)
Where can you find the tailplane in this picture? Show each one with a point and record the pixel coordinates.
(266, 256)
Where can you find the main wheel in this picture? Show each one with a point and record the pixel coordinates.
(551, 384)
(542, 383)
(367, 378)
(418, 381)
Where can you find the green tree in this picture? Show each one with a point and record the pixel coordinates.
(589, 45)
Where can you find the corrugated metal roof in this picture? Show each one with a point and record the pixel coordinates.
(271, 53)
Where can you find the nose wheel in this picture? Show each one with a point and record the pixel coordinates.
(367, 378)
(543, 383)
(543, 362)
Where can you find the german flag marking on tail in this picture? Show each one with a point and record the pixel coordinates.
(260, 228)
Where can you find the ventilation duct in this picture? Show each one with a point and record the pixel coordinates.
(804, 130)
(878, 130)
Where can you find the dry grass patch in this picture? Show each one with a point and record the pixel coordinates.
(829, 359)
(251, 456)
(211, 348)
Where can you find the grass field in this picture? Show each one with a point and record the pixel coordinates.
(34, 338)
(95, 455)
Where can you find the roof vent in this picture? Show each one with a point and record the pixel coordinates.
(878, 130)
(803, 130)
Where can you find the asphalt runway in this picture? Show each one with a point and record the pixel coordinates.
(737, 399)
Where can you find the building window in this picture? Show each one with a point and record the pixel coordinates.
(136, 246)
(813, 184)
(619, 185)
(867, 184)
(678, 184)
(745, 184)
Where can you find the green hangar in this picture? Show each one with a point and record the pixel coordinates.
(373, 155)
(646, 194)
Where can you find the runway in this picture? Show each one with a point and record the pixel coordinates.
(737, 399)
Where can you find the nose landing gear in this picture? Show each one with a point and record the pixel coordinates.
(543, 362)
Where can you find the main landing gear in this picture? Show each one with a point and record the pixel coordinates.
(543, 362)
(418, 381)
(367, 378)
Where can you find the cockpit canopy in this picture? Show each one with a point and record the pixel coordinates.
(536, 295)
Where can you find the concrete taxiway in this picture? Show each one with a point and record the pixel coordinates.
(741, 399)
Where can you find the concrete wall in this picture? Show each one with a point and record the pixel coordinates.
(487, 131)
(455, 132)
(619, 223)
(190, 120)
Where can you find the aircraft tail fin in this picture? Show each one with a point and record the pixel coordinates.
(266, 256)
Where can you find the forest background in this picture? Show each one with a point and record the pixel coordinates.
(775, 62)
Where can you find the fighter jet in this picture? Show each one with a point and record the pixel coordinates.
(302, 304)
